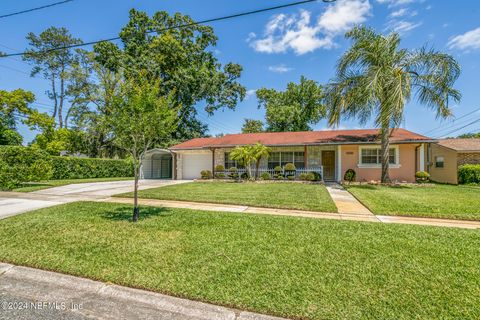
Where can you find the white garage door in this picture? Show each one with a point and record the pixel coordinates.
(194, 163)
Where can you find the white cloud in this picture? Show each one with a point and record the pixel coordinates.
(394, 3)
(402, 26)
(402, 13)
(470, 40)
(297, 32)
(281, 68)
(250, 93)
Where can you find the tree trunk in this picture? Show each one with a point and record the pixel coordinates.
(62, 97)
(136, 210)
(385, 132)
(256, 169)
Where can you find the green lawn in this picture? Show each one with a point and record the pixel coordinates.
(35, 186)
(436, 200)
(271, 195)
(293, 267)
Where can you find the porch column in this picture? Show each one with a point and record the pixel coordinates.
(213, 161)
(422, 157)
(339, 163)
(305, 156)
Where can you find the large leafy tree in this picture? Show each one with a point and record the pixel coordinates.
(14, 108)
(182, 59)
(54, 65)
(138, 116)
(295, 109)
(252, 126)
(376, 78)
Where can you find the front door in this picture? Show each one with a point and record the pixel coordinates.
(328, 164)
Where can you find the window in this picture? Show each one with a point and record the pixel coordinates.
(439, 162)
(374, 156)
(230, 162)
(282, 158)
(274, 160)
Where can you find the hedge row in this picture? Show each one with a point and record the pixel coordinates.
(82, 168)
(469, 173)
(25, 164)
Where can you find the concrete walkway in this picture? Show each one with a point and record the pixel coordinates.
(49, 295)
(345, 201)
(370, 217)
(13, 203)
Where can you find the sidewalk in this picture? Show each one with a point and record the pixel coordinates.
(366, 217)
(49, 295)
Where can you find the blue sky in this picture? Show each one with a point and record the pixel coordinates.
(274, 48)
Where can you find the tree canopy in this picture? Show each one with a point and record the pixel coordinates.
(295, 109)
(252, 126)
(183, 61)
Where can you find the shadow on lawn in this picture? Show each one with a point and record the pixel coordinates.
(376, 187)
(126, 213)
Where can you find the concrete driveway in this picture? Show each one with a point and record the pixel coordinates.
(13, 203)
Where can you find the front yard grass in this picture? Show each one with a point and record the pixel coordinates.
(286, 195)
(292, 267)
(433, 200)
(35, 186)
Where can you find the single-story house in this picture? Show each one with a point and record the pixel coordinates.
(448, 154)
(333, 152)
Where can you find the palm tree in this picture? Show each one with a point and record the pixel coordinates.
(244, 156)
(259, 151)
(376, 78)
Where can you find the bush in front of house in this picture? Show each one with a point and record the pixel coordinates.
(350, 175)
(233, 173)
(422, 176)
(307, 176)
(206, 174)
(23, 164)
(244, 176)
(87, 168)
(265, 176)
(316, 176)
(469, 173)
(278, 173)
(219, 171)
(290, 170)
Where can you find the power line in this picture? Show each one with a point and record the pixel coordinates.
(455, 130)
(34, 9)
(237, 15)
(443, 127)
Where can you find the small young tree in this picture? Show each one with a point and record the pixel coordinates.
(140, 116)
(244, 156)
(259, 151)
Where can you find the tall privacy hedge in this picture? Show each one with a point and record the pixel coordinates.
(26, 164)
(469, 173)
(20, 164)
(81, 168)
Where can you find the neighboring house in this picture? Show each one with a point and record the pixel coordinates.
(334, 151)
(448, 154)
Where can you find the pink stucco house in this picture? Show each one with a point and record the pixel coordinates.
(333, 152)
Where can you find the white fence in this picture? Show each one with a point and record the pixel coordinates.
(272, 172)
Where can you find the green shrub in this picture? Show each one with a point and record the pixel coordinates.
(219, 171)
(291, 177)
(278, 169)
(233, 173)
(469, 173)
(244, 175)
(307, 176)
(206, 174)
(290, 171)
(86, 168)
(23, 164)
(422, 176)
(290, 167)
(265, 176)
(350, 175)
(316, 176)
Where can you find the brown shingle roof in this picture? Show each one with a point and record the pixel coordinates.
(472, 144)
(301, 138)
